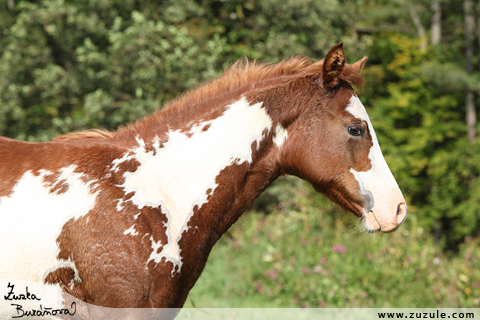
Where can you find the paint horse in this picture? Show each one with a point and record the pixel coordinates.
(128, 218)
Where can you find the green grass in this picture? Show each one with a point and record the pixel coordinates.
(294, 257)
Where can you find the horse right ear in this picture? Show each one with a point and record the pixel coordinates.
(333, 65)
(357, 67)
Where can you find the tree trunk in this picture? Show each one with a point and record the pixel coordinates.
(418, 24)
(436, 25)
(478, 39)
(11, 4)
(471, 115)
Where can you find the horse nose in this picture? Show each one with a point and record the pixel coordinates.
(399, 218)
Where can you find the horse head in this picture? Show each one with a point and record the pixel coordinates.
(332, 145)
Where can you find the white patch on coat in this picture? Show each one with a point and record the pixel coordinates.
(200, 127)
(178, 175)
(119, 205)
(281, 134)
(155, 245)
(378, 182)
(31, 219)
(131, 231)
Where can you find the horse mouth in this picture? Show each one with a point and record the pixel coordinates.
(370, 223)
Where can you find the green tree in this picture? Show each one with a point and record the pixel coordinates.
(68, 66)
(421, 125)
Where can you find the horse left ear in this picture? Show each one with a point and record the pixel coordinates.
(333, 65)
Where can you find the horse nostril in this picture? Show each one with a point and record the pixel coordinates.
(401, 212)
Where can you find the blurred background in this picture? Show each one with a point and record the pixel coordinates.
(73, 65)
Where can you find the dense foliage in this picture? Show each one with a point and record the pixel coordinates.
(71, 65)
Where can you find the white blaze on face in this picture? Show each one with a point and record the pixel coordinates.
(31, 219)
(378, 183)
(178, 175)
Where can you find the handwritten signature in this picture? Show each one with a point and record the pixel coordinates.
(12, 296)
(41, 312)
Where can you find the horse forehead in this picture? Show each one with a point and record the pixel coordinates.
(372, 153)
(356, 108)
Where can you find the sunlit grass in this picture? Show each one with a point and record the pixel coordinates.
(307, 254)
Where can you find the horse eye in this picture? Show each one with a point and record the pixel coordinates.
(355, 130)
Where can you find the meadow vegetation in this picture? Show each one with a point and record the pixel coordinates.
(308, 253)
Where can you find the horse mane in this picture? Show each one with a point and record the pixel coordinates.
(352, 77)
(241, 77)
(87, 134)
(245, 74)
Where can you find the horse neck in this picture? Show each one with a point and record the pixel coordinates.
(215, 164)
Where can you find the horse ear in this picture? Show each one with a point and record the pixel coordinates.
(357, 67)
(333, 65)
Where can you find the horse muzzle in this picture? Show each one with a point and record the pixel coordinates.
(383, 221)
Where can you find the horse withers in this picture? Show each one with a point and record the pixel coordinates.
(127, 219)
